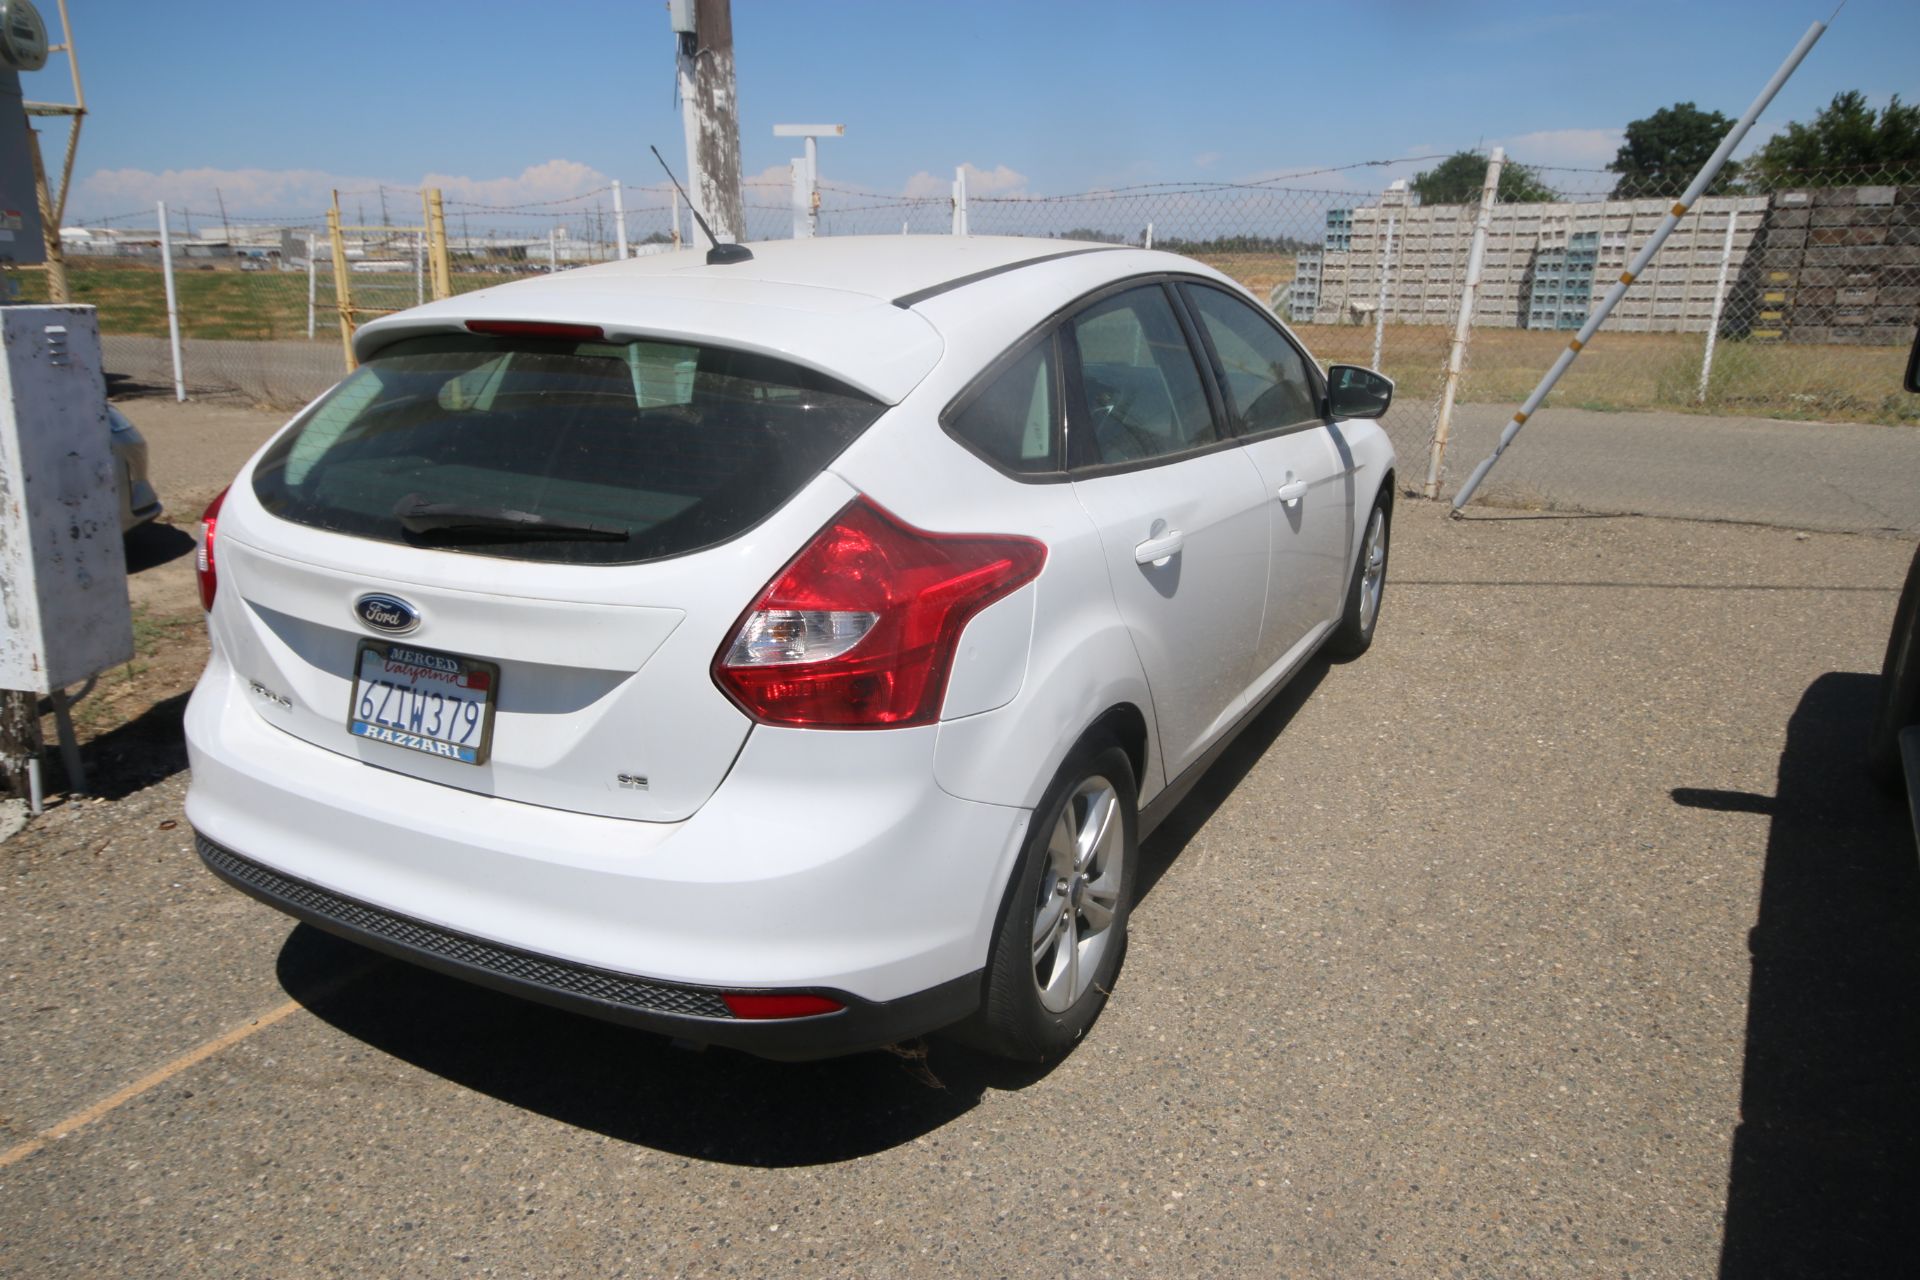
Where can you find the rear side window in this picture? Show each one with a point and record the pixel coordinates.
(1010, 421)
(568, 452)
(1144, 397)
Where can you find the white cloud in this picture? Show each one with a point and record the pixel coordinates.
(265, 191)
(997, 181)
(1565, 148)
(1206, 159)
(306, 193)
(553, 180)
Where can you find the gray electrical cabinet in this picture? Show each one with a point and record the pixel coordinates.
(21, 242)
(64, 614)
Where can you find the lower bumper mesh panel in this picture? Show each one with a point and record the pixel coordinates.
(311, 902)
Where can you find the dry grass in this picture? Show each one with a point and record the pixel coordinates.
(225, 302)
(1626, 371)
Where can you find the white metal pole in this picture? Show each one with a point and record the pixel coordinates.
(1380, 314)
(1463, 327)
(619, 221)
(1719, 300)
(313, 284)
(1701, 182)
(173, 306)
(1149, 241)
(813, 187)
(960, 201)
(802, 224)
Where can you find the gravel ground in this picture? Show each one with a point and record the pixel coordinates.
(1559, 935)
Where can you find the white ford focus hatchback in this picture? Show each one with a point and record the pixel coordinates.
(787, 654)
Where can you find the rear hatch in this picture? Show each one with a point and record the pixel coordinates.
(504, 562)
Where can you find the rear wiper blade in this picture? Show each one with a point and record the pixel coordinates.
(418, 515)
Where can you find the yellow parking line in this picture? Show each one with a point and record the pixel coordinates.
(87, 1115)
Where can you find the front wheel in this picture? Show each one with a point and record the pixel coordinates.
(1354, 634)
(1063, 927)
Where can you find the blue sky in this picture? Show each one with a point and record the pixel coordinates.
(503, 103)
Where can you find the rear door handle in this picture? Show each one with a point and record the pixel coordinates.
(1293, 490)
(1158, 550)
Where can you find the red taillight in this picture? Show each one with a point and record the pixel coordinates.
(778, 1006)
(537, 329)
(203, 563)
(859, 630)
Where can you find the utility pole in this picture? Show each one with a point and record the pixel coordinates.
(226, 227)
(709, 111)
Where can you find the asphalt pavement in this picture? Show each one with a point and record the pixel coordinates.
(1560, 935)
(1836, 476)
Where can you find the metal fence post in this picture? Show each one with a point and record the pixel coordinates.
(619, 221)
(1463, 327)
(802, 209)
(173, 305)
(960, 201)
(313, 284)
(437, 245)
(1719, 301)
(1380, 314)
(342, 287)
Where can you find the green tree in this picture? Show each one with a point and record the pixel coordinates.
(1458, 179)
(1846, 143)
(1665, 150)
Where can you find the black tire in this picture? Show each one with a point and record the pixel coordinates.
(1354, 635)
(1899, 685)
(1014, 1020)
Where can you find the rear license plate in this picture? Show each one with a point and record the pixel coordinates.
(437, 703)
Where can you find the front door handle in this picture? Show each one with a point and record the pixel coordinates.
(1293, 490)
(1159, 549)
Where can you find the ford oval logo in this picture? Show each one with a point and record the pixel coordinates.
(386, 613)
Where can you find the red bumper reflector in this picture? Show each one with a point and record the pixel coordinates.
(779, 1006)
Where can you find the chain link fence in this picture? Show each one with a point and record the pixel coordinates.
(1793, 296)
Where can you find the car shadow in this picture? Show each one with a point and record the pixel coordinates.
(633, 1086)
(1822, 1179)
(1161, 849)
(711, 1104)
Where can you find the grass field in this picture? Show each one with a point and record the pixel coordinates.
(1619, 371)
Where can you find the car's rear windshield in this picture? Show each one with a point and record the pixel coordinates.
(561, 451)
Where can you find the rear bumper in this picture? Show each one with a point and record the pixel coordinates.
(688, 1012)
(826, 862)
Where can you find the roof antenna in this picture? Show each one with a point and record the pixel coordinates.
(720, 254)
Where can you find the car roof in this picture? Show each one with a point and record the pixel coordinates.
(849, 306)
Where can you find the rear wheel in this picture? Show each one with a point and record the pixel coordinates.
(1365, 593)
(1063, 928)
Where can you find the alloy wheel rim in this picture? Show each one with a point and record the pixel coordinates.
(1373, 573)
(1079, 894)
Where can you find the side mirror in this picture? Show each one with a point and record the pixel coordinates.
(1353, 392)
